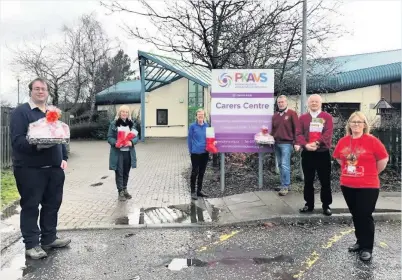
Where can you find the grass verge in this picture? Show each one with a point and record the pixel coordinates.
(9, 192)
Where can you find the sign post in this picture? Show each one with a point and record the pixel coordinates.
(242, 101)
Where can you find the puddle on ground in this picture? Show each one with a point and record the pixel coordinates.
(178, 264)
(184, 213)
(96, 184)
(20, 266)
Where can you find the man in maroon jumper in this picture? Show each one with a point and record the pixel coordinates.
(315, 155)
(284, 124)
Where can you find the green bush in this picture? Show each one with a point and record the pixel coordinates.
(96, 129)
(93, 130)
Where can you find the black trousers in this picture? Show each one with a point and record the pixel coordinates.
(42, 186)
(199, 165)
(361, 204)
(320, 163)
(123, 170)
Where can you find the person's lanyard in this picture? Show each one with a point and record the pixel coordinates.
(352, 155)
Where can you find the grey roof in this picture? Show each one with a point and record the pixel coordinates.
(348, 72)
(357, 78)
(125, 92)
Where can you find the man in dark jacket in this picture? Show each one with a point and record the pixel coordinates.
(39, 174)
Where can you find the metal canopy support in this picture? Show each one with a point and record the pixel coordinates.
(304, 71)
(260, 169)
(161, 85)
(222, 172)
(142, 73)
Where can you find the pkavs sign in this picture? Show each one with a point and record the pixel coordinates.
(243, 80)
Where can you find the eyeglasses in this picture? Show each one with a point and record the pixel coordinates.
(39, 89)
(356, 122)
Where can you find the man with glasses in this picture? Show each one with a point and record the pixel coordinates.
(314, 134)
(39, 174)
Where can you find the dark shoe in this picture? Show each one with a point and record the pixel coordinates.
(327, 211)
(58, 243)
(126, 194)
(122, 196)
(201, 194)
(365, 256)
(194, 196)
(354, 248)
(306, 209)
(36, 253)
(277, 189)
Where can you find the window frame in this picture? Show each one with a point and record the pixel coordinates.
(157, 116)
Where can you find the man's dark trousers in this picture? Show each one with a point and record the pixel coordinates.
(42, 186)
(320, 163)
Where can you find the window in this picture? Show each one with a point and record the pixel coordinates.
(161, 117)
(195, 95)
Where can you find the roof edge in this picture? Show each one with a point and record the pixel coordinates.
(170, 67)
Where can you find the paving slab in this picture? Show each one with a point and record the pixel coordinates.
(275, 203)
(240, 198)
(251, 213)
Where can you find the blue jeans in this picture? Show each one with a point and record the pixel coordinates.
(283, 153)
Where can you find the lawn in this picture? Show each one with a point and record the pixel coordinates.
(9, 192)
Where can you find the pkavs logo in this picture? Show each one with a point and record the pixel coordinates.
(225, 80)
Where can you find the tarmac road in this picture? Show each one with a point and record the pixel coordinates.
(264, 252)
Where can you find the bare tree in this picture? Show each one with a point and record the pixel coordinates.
(236, 33)
(94, 48)
(49, 61)
(89, 47)
(79, 81)
(201, 31)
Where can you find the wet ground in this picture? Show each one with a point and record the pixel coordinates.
(264, 252)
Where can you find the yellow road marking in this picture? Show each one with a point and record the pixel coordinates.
(309, 263)
(222, 238)
(313, 258)
(383, 245)
(336, 238)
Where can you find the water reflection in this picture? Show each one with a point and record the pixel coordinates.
(21, 266)
(195, 212)
(178, 264)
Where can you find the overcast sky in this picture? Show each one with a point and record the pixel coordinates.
(373, 26)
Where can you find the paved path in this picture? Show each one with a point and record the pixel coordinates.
(90, 195)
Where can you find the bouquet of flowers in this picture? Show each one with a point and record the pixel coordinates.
(211, 140)
(49, 130)
(124, 135)
(263, 137)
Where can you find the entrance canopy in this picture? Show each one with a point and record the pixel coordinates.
(161, 70)
(157, 71)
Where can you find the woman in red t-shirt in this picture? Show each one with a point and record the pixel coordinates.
(362, 157)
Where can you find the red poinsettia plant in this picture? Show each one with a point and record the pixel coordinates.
(53, 114)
